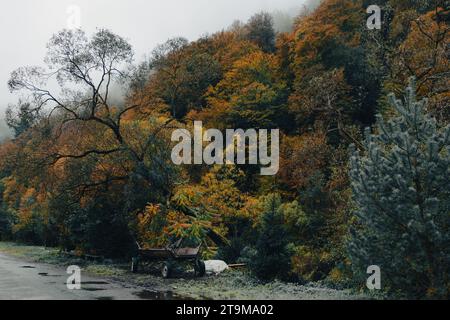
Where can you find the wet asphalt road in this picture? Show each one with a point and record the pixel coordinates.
(21, 280)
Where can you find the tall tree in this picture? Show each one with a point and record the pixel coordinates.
(260, 30)
(86, 69)
(85, 152)
(401, 191)
(182, 75)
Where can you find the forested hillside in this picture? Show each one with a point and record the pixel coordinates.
(85, 174)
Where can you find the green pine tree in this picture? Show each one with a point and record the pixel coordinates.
(401, 188)
(272, 258)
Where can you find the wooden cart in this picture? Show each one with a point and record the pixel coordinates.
(170, 255)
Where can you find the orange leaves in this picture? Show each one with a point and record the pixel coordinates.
(24, 203)
(302, 157)
(13, 191)
(424, 55)
(8, 156)
(226, 47)
(424, 52)
(316, 58)
(333, 20)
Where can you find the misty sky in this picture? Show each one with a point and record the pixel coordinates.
(27, 25)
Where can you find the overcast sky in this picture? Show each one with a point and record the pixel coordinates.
(27, 25)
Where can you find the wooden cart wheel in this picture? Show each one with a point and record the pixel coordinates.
(166, 270)
(199, 268)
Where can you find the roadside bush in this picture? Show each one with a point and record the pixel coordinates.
(30, 230)
(6, 222)
(6, 218)
(242, 234)
(310, 264)
(99, 228)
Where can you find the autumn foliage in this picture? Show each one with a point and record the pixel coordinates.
(96, 175)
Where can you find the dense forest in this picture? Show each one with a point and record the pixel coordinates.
(364, 165)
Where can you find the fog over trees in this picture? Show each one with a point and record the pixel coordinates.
(141, 24)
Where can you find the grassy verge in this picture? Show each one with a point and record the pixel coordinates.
(53, 256)
(232, 284)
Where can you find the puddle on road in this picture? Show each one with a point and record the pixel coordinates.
(28, 267)
(105, 298)
(83, 283)
(157, 295)
(93, 289)
(45, 274)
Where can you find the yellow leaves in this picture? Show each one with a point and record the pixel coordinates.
(227, 48)
(257, 67)
(148, 234)
(247, 92)
(150, 212)
(197, 209)
(220, 197)
(188, 228)
(187, 196)
(156, 225)
(252, 210)
(24, 203)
